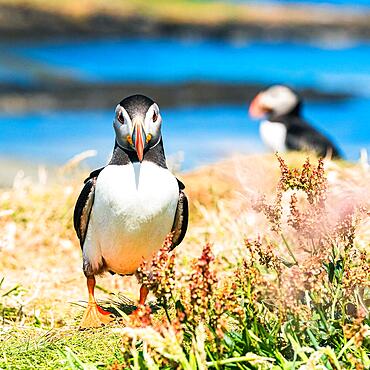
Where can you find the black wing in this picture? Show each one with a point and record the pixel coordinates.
(180, 224)
(83, 207)
(306, 137)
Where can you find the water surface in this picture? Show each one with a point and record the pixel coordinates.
(330, 65)
(204, 134)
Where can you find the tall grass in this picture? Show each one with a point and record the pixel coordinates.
(305, 311)
(274, 273)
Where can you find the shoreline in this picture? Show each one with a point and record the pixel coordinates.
(24, 21)
(76, 95)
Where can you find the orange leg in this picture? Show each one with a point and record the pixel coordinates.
(144, 291)
(94, 315)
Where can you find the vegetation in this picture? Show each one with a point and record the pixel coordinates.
(193, 11)
(273, 274)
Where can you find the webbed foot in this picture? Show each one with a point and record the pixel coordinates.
(95, 317)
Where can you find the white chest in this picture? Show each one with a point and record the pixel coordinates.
(273, 135)
(134, 210)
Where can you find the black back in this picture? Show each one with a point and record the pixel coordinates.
(303, 136)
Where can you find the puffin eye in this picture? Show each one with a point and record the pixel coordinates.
(121, 118)
(155, 116)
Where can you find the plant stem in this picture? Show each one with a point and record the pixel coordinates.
(238, 359)
(337, 291)
(289, 249)
(347, 345)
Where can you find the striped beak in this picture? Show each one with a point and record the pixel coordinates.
(256, 108)
(139, 139)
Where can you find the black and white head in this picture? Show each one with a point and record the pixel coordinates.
(277, 100)
(137, 124)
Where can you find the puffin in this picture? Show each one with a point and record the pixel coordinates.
(284, 128)
(127, 208)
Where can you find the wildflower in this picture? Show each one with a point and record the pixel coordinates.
(263, 254)
(273, 212)
(158, 274)
(201, 285)
(357, 330)
(141, 317)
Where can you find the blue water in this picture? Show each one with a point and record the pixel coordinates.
(204, 134)
(340, 65)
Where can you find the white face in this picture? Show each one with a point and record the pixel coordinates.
(139, 132)
(279, 99)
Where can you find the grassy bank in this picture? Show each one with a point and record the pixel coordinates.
(180, 17)
(274, 281)
(192, 11)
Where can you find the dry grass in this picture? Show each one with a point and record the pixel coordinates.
(40, 257)
(197, 12)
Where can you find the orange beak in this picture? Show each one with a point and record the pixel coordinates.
(139, 141)
(256, 108)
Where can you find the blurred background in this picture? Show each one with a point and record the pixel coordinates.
(64, 65)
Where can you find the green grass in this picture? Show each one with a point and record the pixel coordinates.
(34, 348)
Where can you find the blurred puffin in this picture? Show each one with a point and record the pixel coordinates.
(127, 208)
(284, 128)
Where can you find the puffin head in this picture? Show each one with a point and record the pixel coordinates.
(137, 124)
(277, 100)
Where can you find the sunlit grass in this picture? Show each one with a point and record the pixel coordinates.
(32, 348)
(43, 289)
(192, 11)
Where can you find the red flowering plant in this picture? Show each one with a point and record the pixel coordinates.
(309, 308)
(330, 278)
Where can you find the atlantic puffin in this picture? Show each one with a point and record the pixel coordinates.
(284, 128)
(127, 208)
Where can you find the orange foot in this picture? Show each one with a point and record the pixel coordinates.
(95, 317)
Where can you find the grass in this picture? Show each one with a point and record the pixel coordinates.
(254, 285)
(192, 11)
(36, 348)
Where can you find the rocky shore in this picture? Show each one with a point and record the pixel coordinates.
(77, 95)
